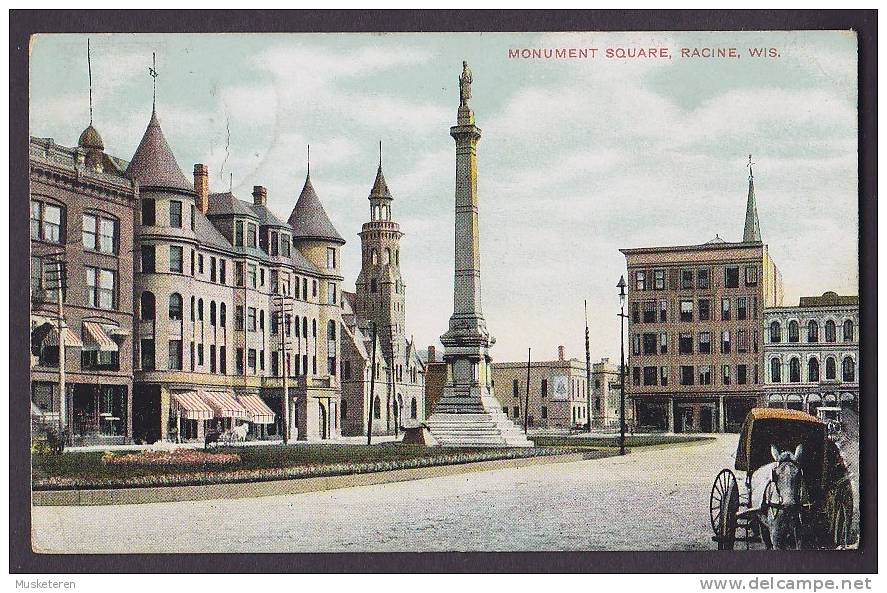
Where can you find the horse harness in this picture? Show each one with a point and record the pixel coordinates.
(773, 485)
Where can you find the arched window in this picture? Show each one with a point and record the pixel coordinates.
(414, 409)
(193, 307)
(212, 313)
(813, 370)
(775, 332)
(794, 370)
(397, 257)
(314, 328)
(387, 256)
(377, 408)
(175, 306)
(848, 369)
(793, 331)
(304, 327)
(775, 370)
(830, 332)
(331, 331)
(222, 314)
(147, 306)
(830, 368)
(374, 257)
(848, 330)
(812, 331)
(199, 309)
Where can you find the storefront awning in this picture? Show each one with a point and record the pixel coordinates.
(96, 339)
(192, 406)
(71, 339)
(225, 405)
(259, 412)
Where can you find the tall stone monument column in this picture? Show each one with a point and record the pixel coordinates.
(468, 414)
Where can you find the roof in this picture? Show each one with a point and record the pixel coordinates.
(711, 245)
(266, 217)
(380, 187)
(828, 299)
(227, 204)
(90, 138)
(752, 230)
(780, 414)
(309, 220)
(208, 234)
(153, 164)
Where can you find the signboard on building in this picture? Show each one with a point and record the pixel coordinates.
(561, 390)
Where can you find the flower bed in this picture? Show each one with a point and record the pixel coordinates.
(176, 457)
(431, 459)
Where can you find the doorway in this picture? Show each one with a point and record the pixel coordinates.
(322, 417)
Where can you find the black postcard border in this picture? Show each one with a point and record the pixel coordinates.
(23, 23)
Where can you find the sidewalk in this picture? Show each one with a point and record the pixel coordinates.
(166, 446)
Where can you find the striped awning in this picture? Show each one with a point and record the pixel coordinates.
(225, 405)
(192, 406)
(259, 412)
(96, 339)
(71, 339)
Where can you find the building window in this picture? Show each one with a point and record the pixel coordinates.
(223, 360)
(330, 293)
(686, 279)
(147, 355)
(813, 370)
(649, 343)
(725, 309)
(663, 343)
(702, 278)
(212, 313)
(659, 279)
(775, 332)
(830, 368)
(175, 355)
(238, 317)
(149, 259)
(636, 375)
(200, 355)
(794, 370)
(705, 342)
(251, 319)
(831, 333)
(175, 258)
(516, 411)
(100, 288)
(544, 412)
(640, 280)
(704, 310)
(742, 340)
(314, 288)
(742, 308)
(99, 233)
(636, 345)
(147, 306)
(175, 214)
(741, 374)
(685, 344)
(731, 277)
(775, 371)
(238, 234)
(687, 377)
(331, 347)
(273, 243)
(148, 212)
(175, 306)
(663, 311)
(812, 331)
(848, 331)
(46, 222)
(251, 231)
(635, 312)
(794, 334)
(725, 374)
(544, 389)
(212, 358)
(251, 360)
(686, 310)
(650, 375)
(193, 217)
(848, 369)
(515, 387)
(725, 341)
(221, 271)
(705, 375)
(251, 275)
(663, 376)
(222, 314)
(751, 275)
(649, 311)
(331, 257)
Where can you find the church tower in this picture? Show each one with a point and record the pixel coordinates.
(752, 231)
(380, 288)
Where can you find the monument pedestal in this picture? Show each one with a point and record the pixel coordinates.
(473, 418)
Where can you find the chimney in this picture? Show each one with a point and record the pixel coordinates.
(201, 186)
(432, 354)
(560, 353)
(260, 195)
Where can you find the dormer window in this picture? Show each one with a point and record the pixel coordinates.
(238, 233)
(251, 234)
(284, 245)
(273, 243)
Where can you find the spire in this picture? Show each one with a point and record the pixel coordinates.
(152, 72)
(153, 163)
(90, 138)
(89, 69)
(752, 233)
(308, 218)
(380, 187)
(309, 166)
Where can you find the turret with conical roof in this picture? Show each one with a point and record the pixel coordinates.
(153, 164)
(752, 231)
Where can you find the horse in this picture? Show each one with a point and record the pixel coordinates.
(779, 491)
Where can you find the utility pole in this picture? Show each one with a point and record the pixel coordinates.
(372, 388)
(527, 397)
(587, 369)
(622, 316)
(391, 372)
(283, 322)
(63, 403)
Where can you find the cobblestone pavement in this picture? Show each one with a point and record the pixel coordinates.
(649, 500)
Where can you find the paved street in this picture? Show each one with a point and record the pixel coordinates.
(653, 500)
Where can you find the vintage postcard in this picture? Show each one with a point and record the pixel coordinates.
(443, 292)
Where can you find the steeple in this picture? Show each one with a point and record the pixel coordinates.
(380, 187)
(309, 220)
(752, 232)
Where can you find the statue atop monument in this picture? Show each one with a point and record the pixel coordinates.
(464, 85)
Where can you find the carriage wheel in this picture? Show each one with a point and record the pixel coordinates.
(723, 505)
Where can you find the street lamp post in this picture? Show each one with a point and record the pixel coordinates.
(622, 316)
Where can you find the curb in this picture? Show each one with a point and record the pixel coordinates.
(285, 487)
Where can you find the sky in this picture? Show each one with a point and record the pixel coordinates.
(578, 158)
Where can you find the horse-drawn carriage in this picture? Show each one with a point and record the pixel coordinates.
(797, 488)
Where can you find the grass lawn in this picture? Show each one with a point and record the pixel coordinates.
(647, 440)
(85, 469)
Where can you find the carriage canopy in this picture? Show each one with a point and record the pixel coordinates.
(785, 428)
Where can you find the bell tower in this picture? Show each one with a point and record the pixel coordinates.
(381, 293)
